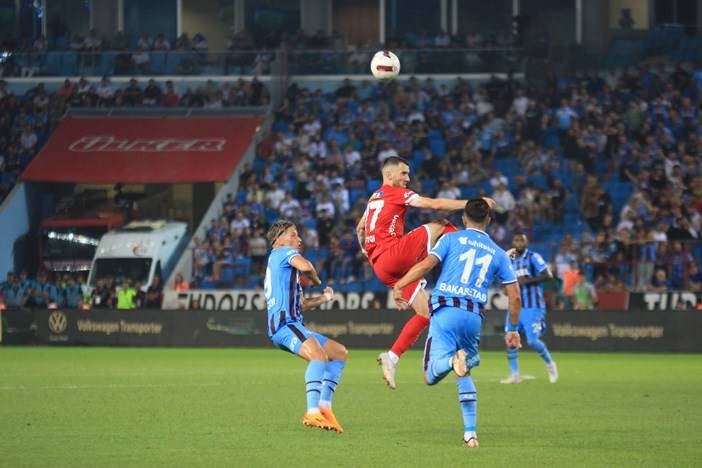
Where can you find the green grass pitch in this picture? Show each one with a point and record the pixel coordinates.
(92, 407)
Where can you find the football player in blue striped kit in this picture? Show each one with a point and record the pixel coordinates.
(286, 328)
(532, 271)
(470, 261)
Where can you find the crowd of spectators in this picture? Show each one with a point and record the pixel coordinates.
(26, 121)
(71, 291)
(247, 53)
(582, 146)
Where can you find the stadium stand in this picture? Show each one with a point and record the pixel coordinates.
(586, 165)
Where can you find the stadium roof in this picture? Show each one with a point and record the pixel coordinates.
(143, 150)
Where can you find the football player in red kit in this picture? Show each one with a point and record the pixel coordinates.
(381, 233)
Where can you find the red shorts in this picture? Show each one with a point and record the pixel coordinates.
(397, 257)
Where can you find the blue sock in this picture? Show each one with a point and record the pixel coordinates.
(513, 358)
(332, 375)
(438, 369)
(540, 347)
(468, 397)
(313, 383)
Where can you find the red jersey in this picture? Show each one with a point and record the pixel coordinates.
(385, 216)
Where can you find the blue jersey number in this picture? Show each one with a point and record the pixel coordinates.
(483, 262)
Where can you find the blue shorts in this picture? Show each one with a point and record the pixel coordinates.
(532, 322)
(452, 329)
(291, 336)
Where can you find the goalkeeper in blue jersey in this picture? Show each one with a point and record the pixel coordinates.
(286, 328)
(470, 261)
(532, 271)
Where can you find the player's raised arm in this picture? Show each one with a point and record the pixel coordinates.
(443, 204)
(416, 272)
(314, 302)
(305, 267)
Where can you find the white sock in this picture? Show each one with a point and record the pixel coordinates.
(326, 404)
(469, 434)
(394, 358)
(312, 410)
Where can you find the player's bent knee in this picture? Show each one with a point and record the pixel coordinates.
(313, 350)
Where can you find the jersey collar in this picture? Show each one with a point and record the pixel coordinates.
(477, 230)
(524, 254)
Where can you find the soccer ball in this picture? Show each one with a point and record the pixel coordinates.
(385, 65)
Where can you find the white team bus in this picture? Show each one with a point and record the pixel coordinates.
(140, 250)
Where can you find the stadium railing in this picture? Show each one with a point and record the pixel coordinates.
(254, 62)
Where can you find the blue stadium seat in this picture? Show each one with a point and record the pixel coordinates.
(310, 223)
(173, 62)
(355, 194)
(53, 63)
(242, 267)
(437, 147)
(69, 65)
(106, 64)
(158, 62)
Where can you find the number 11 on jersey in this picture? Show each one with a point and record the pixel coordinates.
(483, 262)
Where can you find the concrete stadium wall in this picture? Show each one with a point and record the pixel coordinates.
(14, 223)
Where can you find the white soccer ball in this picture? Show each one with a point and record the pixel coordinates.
(385, 65)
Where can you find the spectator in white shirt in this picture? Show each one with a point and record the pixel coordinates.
(289, 207)
(659, 233)
(504, 203)
(105, 93)
(325, 206)
(498, 179)
(351, 156)
(92, 43)
(340, 196)
(274, 196)
(442, 40)
(318, 148)
(145, 42)
(28, 139)
(312, 126)
(520, 103)
(240, 223)
(386, 152)
(449, 190)
(162, 43)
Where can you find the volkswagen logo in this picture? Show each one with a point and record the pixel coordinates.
(57, 322)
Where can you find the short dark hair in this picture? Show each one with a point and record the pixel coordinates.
(477, 210)
(394, 161)
(278, 229)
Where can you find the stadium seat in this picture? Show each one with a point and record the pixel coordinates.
(173, 62)
(69, 65)
(106, 64)
(53, 63)
(437, 147)
(158, 62)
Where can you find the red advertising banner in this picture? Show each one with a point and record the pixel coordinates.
(143, 150)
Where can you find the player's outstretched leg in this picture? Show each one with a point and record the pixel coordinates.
(468, 397)
(540, 347)
(408, 336)
(337, 354)
(313, 352)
